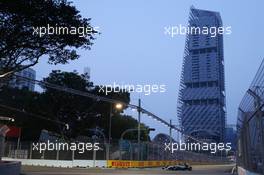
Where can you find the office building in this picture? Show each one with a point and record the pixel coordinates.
(17, 82)
(201, 101)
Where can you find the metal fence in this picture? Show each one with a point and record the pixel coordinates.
(250, 126)
(25, 150)
(125, 150)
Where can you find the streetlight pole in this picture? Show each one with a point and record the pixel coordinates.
(109, 133)
(117, 106)
(130, 130)
(170, 133)
(110, 124)
(138, 137)
(105, 141)
(121, 142)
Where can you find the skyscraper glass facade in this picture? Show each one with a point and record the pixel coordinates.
(201, 103)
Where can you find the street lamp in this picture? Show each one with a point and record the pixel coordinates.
(131, 130)
(139, 110)
(7, 119)
(139, 118)
(119, 107)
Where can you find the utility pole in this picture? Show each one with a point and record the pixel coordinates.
(170, 134)
(130, 130)
(139, 113)
(109, 132)
(170, 131)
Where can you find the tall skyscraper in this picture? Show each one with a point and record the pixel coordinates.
(19, 83)
(201, 103)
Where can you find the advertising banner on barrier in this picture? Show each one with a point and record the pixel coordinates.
(138, 164)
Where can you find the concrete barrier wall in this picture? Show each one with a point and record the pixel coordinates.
(10, 168)
(242, 171)
(60, 163)
(90, 163)
(97, 163)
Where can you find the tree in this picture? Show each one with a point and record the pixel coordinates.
(82, 112)
(21, 48)
(53, 108)
(67, 107)
(121, 123)
(19, 104)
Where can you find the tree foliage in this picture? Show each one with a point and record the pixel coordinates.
(57, 107)
(20, 49)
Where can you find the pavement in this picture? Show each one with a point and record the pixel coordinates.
(197, 170)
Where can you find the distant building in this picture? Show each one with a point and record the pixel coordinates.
(201, 103)
(20, 83)
(231, 136)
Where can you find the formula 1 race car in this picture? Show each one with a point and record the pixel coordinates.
(179, 167)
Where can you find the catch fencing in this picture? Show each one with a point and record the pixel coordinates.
(125, 150)
(250, 126)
